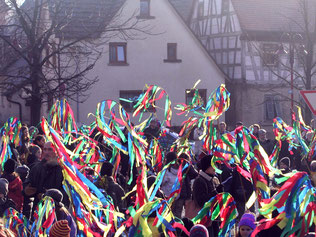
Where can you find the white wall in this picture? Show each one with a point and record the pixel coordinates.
(145, 58)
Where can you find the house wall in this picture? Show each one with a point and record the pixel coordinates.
(145, 58)
(250, 101)
(250, 78)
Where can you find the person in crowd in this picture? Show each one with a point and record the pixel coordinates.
(40, 141)
(110, 187)
(285, 165)
(238, 124)
(153, 131)
(294, 155)
(33, 131)
(222, 129)
(23, 154)
(15, 154)
(5, 202)
(241, 190)
(308, 137)
(171, 174)
(198, 131)
(61, 212)
(266, 143)
(15, 184)
(45, 175)
(34, 157)
(188, 174)
(206, 186)
(25, 136)
(255, 130)
(246, 225)
(23, 172)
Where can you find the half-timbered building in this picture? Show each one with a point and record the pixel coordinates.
(251, 41)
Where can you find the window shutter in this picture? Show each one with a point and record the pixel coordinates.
(277, 106)
(269, 107)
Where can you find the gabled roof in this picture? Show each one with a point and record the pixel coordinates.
(89, 17)
(273, 15)
(183, 7)
(82, 18)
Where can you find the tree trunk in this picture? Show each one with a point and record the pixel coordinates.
(36, 105)
(36, 100)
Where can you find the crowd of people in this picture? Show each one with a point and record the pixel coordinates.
(33, 172)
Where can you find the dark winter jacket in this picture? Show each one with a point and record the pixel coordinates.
(186, 190)
(44, 176)
(5, 205)
(268, 146)
(241, 188)
(113, 189)
(205, 187)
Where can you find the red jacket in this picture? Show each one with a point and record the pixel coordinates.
(15, 191)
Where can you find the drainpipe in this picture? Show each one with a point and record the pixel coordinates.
(17, 103)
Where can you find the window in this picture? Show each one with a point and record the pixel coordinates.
(172, 53)
(117, 54)
(189, 94)
(144, 10)
(272, 106)
(132, 97)
(270, 54)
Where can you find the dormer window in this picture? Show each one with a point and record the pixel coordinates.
(144, 10)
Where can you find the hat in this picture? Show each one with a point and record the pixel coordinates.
(286, 161)
(205, 162)
(56, 195)
(199, 231)
(262, 131)
(4, 186)
(247, 219)
(106, 169)
(23, 171)
(9, 166)
(60, 229)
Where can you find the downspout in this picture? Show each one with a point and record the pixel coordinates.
(17, 103)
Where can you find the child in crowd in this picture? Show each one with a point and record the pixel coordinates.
(246, 225)
(285, 165)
